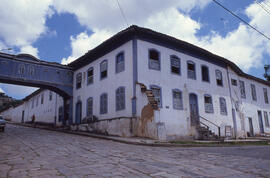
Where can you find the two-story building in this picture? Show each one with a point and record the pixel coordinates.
(144, 83)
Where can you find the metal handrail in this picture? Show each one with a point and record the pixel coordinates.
(211, 123)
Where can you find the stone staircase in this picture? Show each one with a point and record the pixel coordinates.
(150, 96)
(204, 133)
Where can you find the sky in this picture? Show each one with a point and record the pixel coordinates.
(63, 30)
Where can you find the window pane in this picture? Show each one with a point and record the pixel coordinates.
(265, 96)
(191, 70)
(157, 95)
(154, 61)
(219, 78)
(205, 74)
(120, 62)
(177, 100)
(208, 104)
(223, 106)
(175, 65)
(253, 92)
(242, 89)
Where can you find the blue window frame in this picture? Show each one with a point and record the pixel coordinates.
(104, 103)
(208, 104)
(205, 73)
(219, 78)
(120, 62)
(253, 92)
(154, 59)
(191, 70)
(103, 69)
(175, 65)
(90, 76)
(223, 106)
(89, 105)
(120, 98)
(177, 99)
(79, 80)
(157, 94)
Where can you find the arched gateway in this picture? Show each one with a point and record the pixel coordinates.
(26, 70)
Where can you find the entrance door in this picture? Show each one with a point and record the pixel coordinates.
(250, 127)
(194, 109)
(78, 112)
(22, 116)
(260, 121)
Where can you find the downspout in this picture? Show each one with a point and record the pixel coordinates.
(229, 84)
(55, 113)
(135, 75)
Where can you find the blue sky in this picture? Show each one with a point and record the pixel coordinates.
(62, 30)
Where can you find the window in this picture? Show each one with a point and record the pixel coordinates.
(265, 94)
(103, 103)
(157, 94)
(191, 70)
(90, 75)
(120, 62)
(89, 108)
(79, 80)
(42, 98)
(177, 99)
(242, 89)
(253, 92)
(120, 98)
(60, 114)
(175, 65)
(208, 104)
(266, 119)
(234, 82)
(31, 70)
(37, 101)
(219, 78)
(33, 103)
(103, 69)
(205, 74)
(21, 69)
(154, 59)
(50, 95)
(223, 106)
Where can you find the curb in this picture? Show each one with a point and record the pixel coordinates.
(218, 144)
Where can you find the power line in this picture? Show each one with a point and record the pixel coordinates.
(241, 19)
(265, 4)
(263, 7)
(122, 12)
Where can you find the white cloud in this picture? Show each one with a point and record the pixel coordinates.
(29, 50)
(23, 21)
(83, 42)
(17, 91)
(242, 46)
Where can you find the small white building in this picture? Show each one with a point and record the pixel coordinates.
(43, 105)
(144, 83)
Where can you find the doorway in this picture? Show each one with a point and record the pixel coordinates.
(23, 116)
(78, 113)
(260, 122)
(194, 110)
(251, 132)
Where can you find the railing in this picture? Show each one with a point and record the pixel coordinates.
(210, 123)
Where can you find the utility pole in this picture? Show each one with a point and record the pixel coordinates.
(267, 72)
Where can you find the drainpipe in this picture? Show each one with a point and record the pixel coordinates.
(55, 112)
(229, 84)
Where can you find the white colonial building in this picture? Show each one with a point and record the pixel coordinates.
(144, 83)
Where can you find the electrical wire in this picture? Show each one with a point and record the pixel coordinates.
(122, 13)
(245, 22)
(262, 6)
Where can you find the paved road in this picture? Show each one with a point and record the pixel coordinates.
(29, 152)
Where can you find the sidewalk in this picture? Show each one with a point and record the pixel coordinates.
(150, 142)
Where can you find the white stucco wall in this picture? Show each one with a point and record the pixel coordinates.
(107, 85)
(46, 112)
(177, 122)
(248, 107)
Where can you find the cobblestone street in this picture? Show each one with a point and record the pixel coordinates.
(29, 152)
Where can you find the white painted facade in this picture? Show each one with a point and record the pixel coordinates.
(168, 123)
(46, 112)
(107, 85)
